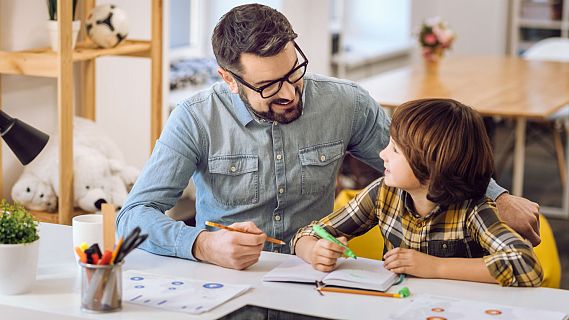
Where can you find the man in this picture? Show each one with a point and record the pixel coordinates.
(263, 149)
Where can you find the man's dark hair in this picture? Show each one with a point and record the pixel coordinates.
(250, 28)
(446, 144)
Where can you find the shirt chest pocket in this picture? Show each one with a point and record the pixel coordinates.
(235, 179)
(318, 166)
(447, 248)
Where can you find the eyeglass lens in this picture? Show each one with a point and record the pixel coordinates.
(292, 78)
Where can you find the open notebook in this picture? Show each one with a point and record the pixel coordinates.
(361, 274)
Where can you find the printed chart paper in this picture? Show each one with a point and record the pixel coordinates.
(431, 307)
(175, 293)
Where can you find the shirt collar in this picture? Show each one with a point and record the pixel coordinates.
(243, 114)
(410, 207)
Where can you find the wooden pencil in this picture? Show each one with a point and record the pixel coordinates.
(220, 226)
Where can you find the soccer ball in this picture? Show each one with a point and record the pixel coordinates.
(107, 25)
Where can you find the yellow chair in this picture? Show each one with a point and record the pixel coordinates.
(370, 245)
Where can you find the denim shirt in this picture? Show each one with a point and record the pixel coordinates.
(279, 176)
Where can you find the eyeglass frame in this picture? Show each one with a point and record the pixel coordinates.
(260, 89)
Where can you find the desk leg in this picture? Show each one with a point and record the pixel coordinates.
(519, 157)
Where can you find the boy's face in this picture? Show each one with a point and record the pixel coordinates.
(398, 173)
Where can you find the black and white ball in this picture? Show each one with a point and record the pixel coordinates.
(107, 25)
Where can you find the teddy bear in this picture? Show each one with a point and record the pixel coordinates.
(100, 174)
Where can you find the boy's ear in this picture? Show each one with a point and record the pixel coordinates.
(228, 78)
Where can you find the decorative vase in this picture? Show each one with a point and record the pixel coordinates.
(53, 28)
(431, 66)
(18, 267)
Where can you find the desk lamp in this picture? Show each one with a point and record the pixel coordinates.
(25, 141)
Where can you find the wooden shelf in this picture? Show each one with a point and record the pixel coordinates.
(53, 217)
(541, 24)
(42, 62)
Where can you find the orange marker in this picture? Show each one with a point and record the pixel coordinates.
(81, 254)
(106, 258)
(220, 226)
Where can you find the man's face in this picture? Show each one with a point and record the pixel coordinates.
(286, 105)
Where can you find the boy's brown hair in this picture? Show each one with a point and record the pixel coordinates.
(446, 145)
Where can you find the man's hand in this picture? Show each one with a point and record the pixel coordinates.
(521, 215)
(321, 254)
(411, 262)
(231, 249)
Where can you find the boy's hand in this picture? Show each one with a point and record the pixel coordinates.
(321, 254)
(412, 262)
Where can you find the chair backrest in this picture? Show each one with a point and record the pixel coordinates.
(550, 49)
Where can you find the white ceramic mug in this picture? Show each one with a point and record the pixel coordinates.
(88, 228)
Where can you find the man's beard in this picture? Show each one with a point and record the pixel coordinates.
(287, 117)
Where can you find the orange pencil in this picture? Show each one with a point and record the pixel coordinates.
(116, 251)
(403, 293)
(220, 226)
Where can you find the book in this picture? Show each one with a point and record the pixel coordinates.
(358, 273)
(426, 306)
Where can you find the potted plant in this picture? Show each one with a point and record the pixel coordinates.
(19, 244)
(54, 28)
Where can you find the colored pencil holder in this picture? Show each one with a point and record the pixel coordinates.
(101, 287)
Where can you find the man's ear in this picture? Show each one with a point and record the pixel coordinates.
(228, 78)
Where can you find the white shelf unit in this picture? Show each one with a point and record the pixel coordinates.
(534, 20)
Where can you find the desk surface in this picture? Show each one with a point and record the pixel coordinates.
(493, 85)
(56, 292)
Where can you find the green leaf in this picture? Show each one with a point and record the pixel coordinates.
(17, 225)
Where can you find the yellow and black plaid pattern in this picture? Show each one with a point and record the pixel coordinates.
(470, 229)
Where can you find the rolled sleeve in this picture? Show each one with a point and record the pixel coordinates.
(511, 260)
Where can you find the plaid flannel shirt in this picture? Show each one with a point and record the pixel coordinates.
(470, 229)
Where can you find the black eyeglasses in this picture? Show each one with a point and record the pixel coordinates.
(273, 87)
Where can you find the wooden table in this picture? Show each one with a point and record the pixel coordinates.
(494, 86)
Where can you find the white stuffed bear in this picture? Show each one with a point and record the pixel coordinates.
(34, 193)
(100, 174)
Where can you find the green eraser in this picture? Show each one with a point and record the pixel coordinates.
(404, 292)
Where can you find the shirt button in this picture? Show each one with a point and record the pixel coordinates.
(275, 123)
(233, 169)
(444, 246)
(279, 156)
(322, 158)
(278, 217)
(281, 190)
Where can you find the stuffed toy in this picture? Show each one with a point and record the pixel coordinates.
(100, 174)
(34, 193)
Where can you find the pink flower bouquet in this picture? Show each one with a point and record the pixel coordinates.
(435, 37)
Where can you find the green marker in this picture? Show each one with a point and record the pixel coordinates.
(322, 233)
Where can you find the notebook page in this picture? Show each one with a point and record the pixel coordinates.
(296, 270)
(361, 273)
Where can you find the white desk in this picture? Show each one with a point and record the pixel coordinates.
(55, 294)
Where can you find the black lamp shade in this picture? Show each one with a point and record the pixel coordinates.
(25, 141)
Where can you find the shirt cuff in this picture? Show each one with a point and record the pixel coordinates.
(494, 190)
(185, 242)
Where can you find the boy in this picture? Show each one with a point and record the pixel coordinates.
(430, 204)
